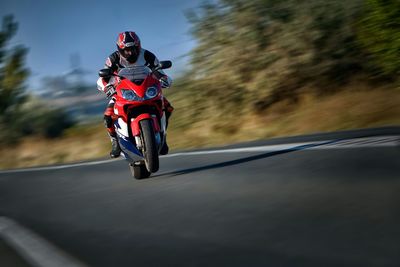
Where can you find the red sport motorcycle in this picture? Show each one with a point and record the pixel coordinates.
(141, 122)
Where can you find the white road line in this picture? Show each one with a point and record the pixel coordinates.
(327, 144)
(247, 149)
(33, 248)
(380, 141)
(62, 166)
(388, 141)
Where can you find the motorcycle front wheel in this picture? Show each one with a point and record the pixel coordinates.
(139, 170)
(150, 151)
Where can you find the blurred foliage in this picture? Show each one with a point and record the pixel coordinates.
(20, 114)
(35, 118)
(12, 71)
(251, 54)
(379, 35)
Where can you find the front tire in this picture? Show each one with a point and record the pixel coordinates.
(150, 151)
(139, 170)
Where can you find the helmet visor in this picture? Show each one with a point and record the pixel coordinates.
(129, 51)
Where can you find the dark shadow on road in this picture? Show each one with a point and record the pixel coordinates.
(244, 160)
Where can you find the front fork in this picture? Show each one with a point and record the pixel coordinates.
(135, 127)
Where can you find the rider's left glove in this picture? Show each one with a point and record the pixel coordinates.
(109, 90)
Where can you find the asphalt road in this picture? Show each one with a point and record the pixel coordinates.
(334, 203)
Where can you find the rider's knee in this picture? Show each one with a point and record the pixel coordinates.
(108, 121)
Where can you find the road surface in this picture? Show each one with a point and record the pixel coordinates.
(318, 200)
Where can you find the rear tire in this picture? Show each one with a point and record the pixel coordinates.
(139, 170)
(150, 151)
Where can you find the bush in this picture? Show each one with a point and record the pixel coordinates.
(35, 118)
(379, 36)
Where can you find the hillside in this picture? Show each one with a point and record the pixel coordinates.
(351, 110)
(260, 69)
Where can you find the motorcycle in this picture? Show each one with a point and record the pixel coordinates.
(141, 122)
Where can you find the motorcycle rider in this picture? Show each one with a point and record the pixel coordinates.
(129, 54)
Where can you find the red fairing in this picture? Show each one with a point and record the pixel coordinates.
(135, 123)
(139, 109)
(122, 105)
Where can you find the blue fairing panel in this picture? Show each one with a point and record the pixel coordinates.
(130, 151)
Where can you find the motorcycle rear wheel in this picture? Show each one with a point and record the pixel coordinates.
(150, 151)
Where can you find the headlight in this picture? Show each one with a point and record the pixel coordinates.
(151, 92)
(129, 95)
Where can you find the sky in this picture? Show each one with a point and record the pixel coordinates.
(56, 30)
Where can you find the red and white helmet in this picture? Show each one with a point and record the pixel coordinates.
(128, 44)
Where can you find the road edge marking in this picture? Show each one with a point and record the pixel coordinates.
(392, 140)
(34, 249)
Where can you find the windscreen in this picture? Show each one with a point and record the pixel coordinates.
(134, 74)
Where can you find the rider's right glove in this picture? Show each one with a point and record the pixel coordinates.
(165, 82)
(109, 90)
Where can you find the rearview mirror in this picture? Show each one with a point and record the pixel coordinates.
(165, 64)
(104, 73)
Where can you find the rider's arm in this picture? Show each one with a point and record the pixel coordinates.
(152, 61)
(111, 63)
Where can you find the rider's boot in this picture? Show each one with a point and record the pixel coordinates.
(115, 148)
(164, 150)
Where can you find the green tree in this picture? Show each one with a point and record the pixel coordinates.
(251, 54)
(13, 73)
(379, 35)
(276, 47)
(20, 113)
(12, 77)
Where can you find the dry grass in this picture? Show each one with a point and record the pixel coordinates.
(345, 110)
(76, 145)
(349, 109)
